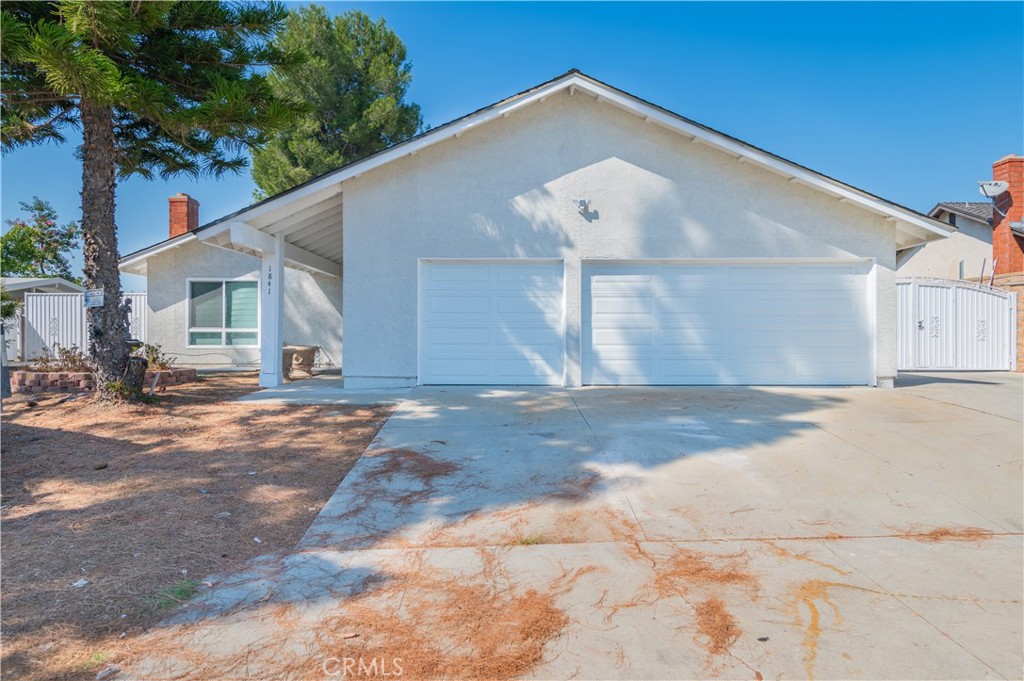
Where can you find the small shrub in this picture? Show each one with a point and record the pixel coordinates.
(69, 359)
(154, 355)
(95, 660)
(121, 391)
(179, 593)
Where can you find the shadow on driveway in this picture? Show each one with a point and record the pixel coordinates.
(641, 533)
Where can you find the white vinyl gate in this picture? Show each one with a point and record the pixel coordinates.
(58, 319)
(946, 324)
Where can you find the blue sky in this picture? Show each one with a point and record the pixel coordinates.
(910, 101)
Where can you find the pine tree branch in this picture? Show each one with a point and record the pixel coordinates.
(39, 100)
(229, 64)
(35, 127)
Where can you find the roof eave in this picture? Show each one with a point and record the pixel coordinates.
(136, 262)
(914, 225)
(946, 208)
(44, 282)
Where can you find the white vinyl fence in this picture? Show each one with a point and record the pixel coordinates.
(947, 324)
(59, 319)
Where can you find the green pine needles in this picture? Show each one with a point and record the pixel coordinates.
(157, 88)
(353, 81)
(186, 80)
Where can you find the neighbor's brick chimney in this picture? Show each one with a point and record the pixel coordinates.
(184, 214)
(1007, 247)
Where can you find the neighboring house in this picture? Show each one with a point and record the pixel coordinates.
(963, 255)
(1008, 238)
(571, 234)
(16, 288)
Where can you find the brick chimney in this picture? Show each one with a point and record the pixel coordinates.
(1007, 247)
(183, 214)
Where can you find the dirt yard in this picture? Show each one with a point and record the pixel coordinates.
(114, 515)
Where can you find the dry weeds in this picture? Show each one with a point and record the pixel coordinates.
(408, 463)
(684, 569)
(716, 625)
(949, 534)
(427, 622)
(137, 499)
(689, 575)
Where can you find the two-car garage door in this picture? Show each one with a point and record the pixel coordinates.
(648, 323)
(726, 324)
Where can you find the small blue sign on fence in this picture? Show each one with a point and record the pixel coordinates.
(93, 298)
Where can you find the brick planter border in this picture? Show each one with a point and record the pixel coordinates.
(78, 381)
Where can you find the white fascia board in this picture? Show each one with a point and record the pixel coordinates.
(739, 150)
(297, 213)
(448, 132)
(960, 214)
(326, 188)
(136, 264)
(60, 285)
(239, 237)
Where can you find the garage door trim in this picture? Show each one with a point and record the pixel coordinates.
(423, 262)
(727, 261)
(870, 294)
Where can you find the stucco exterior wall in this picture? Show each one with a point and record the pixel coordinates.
(971, 243)
(505, 190)
(312, 305)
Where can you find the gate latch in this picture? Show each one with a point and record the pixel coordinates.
(920, 325)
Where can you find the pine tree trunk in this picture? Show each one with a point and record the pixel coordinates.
(107, 325)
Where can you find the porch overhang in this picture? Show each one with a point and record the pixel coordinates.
(304, 233)
(309, 223)
(244, 238)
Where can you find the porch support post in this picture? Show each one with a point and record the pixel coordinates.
(272, 302)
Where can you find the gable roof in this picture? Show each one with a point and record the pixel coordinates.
(49, 284)
(981, 211)
(913, 226)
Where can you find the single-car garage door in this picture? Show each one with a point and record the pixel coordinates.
(492, 322)
(707, 323)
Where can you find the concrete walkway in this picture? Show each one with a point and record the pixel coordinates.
(669, 532)
(325, 389)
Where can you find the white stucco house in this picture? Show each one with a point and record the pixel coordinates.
(204, 302)
(572, 234)
(963, 255)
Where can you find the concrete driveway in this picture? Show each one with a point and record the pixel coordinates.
(642, 533)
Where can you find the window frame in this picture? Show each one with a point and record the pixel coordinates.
(223, 330)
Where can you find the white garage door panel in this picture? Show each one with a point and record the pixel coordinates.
(492, 323)
(726, 324)
(457, 305)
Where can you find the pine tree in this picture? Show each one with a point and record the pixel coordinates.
(157, 88)
(354, 81)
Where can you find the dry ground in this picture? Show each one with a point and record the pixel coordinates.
(142, 502)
